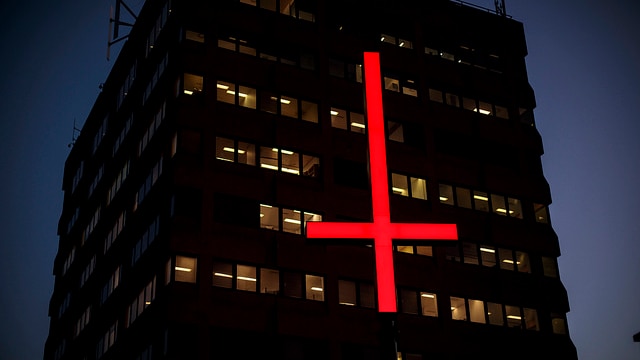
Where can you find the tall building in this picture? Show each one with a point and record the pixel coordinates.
(225, 126)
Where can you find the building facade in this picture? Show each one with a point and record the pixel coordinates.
(225, 126)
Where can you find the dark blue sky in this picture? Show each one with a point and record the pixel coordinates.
(583, 63)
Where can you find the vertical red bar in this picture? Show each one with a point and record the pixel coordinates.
(379, 183)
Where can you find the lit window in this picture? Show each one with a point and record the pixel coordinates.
(498, 205)
(430, 51)
(429, 304)
(409, 88)
(447, 56)
(558, 324)
(269, 281)
(193, 84)
(463, 197)
(269, 217)
(470, 253)
(506, 259)
(311, 217)
(347, 293)
(424, 250)
(244, 48)
(194, 36)
(531, 319)
(488, 255)
(495, 314)
(399, 185)
(269, 102)
(542, 216)
(391, 84)
(246, 278)
(357, 122)
(289, 107)
(515, 208)
(388, 39)
(268, 4)
(247, 97)
(403, 43)
(481, 200)
(314, 287)
(225, 149)
(225, 44)
(522, 262)
(418, 188)
(291, 221)
(185, 269)
(246, 153)
(476, 311)
(469, 104)
(458, 309)
(446, 194)
(290, 162)
(309, 111)
(310, 166)
(338, 118)
(435, 95)
(222, 275)
(514, 317)
(226, 92)
(484, 108)
(249, 2)
(269, 158)
(452, 100)
(407, 249)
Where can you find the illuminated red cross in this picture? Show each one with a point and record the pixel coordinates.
(381, 230)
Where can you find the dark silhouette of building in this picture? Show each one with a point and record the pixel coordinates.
(226, 125)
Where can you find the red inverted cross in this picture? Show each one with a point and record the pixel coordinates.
(381, 230)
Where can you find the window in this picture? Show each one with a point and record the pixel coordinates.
(347, 293)
(558, 324)
(292, 284)
(514, 317)
(391, 84)
(185, 269)
(399, 185)
(269, 217)
(247, 97)
(549, 267)
(515, 208)
(498, 205)
(309, 111)
(476, 311)
(269, 281)
(463, 197)
(470, 253)
(506, 259)
(291, 221)
(246, 278)
(428, 303)
(418, 188)
(226, 92)
(409, 301)
(193, 84)
(488, 255)
(531, 319)
(458, 309)
(522, 262)
(446, 194)
(541, 213)
(314, 287)
(222, 275)
(395, 131)
(357, 122)
(194, 36)
(495, 314)
(338, 118)
(435, 95)
(481, 201)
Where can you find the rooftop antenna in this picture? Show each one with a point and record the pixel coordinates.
(74, 134)
(500, 8)
(115, 22)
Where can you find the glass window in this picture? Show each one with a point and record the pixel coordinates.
(311, 217)
(357, 122)
(310, 166)
(447, 56)
(405, 249)
(494, 313)
(549, 267)
(185, 269)
(338, 118)
(498, 204)
(452, 99)
(292, 283)
(289, 106)
(225, 149)
(488, 255)
(430, 51)
(367, 296)
(347, 293)
(409, 88)
(558, 324)
(458, 309)
(484, 108)
(225, 92)
(463, 197)
(194, 36)
(354, 72)
(405, 44)
(336, 68)
(268, 4)
(502, 112)
(193, 84)
(250, 2)
(515, 208)
(246, 278)
(522, 262)
(315, 287)
(409, 301)
(269, 158)
(481, 200)
(435, 95)
(307, 61)
(476, 311)
(244, 48)
(452, 252)
(269, 217)
(470, 253)
(531, 319)
(446, 194)
(541, 213)
(246, 153)
(222, 275)
(399, 185)
(291, 221)
(418, 188)
(424, 250)
(469, 104)
(395, 131)
(269, 102)
(290, 162)
(428, 303)
(391, 84)
(506, 259)
(269, 281)
(309, 111)
(247, 97)
(225, 44)
(388, 39)
(514, 317)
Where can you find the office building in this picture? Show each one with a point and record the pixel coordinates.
(225, 126)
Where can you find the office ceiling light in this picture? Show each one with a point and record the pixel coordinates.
(188, 92)
(222, 86)
(398, 190)
(443, 198)
(223, 275)
(267, 166)
(487, 250)
(180, 268)
(315, 288)
(358, 125)
(480, 197)
(285, 101)
(334, 113)
(246, 278)
(514, 317)
(292, 221)
(430, 296)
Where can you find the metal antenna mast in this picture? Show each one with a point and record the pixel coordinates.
(115, 22)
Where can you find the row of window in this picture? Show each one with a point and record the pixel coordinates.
(299, 9)
(467, 103)
(483, 201)
(115, 231)
(468, 56)
(267, 157)
(141, 302)
(145, 240)
(293, 57)
(287, 220)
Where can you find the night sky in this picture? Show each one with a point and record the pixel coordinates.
(583, 64)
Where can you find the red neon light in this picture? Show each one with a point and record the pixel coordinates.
(381, 230)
